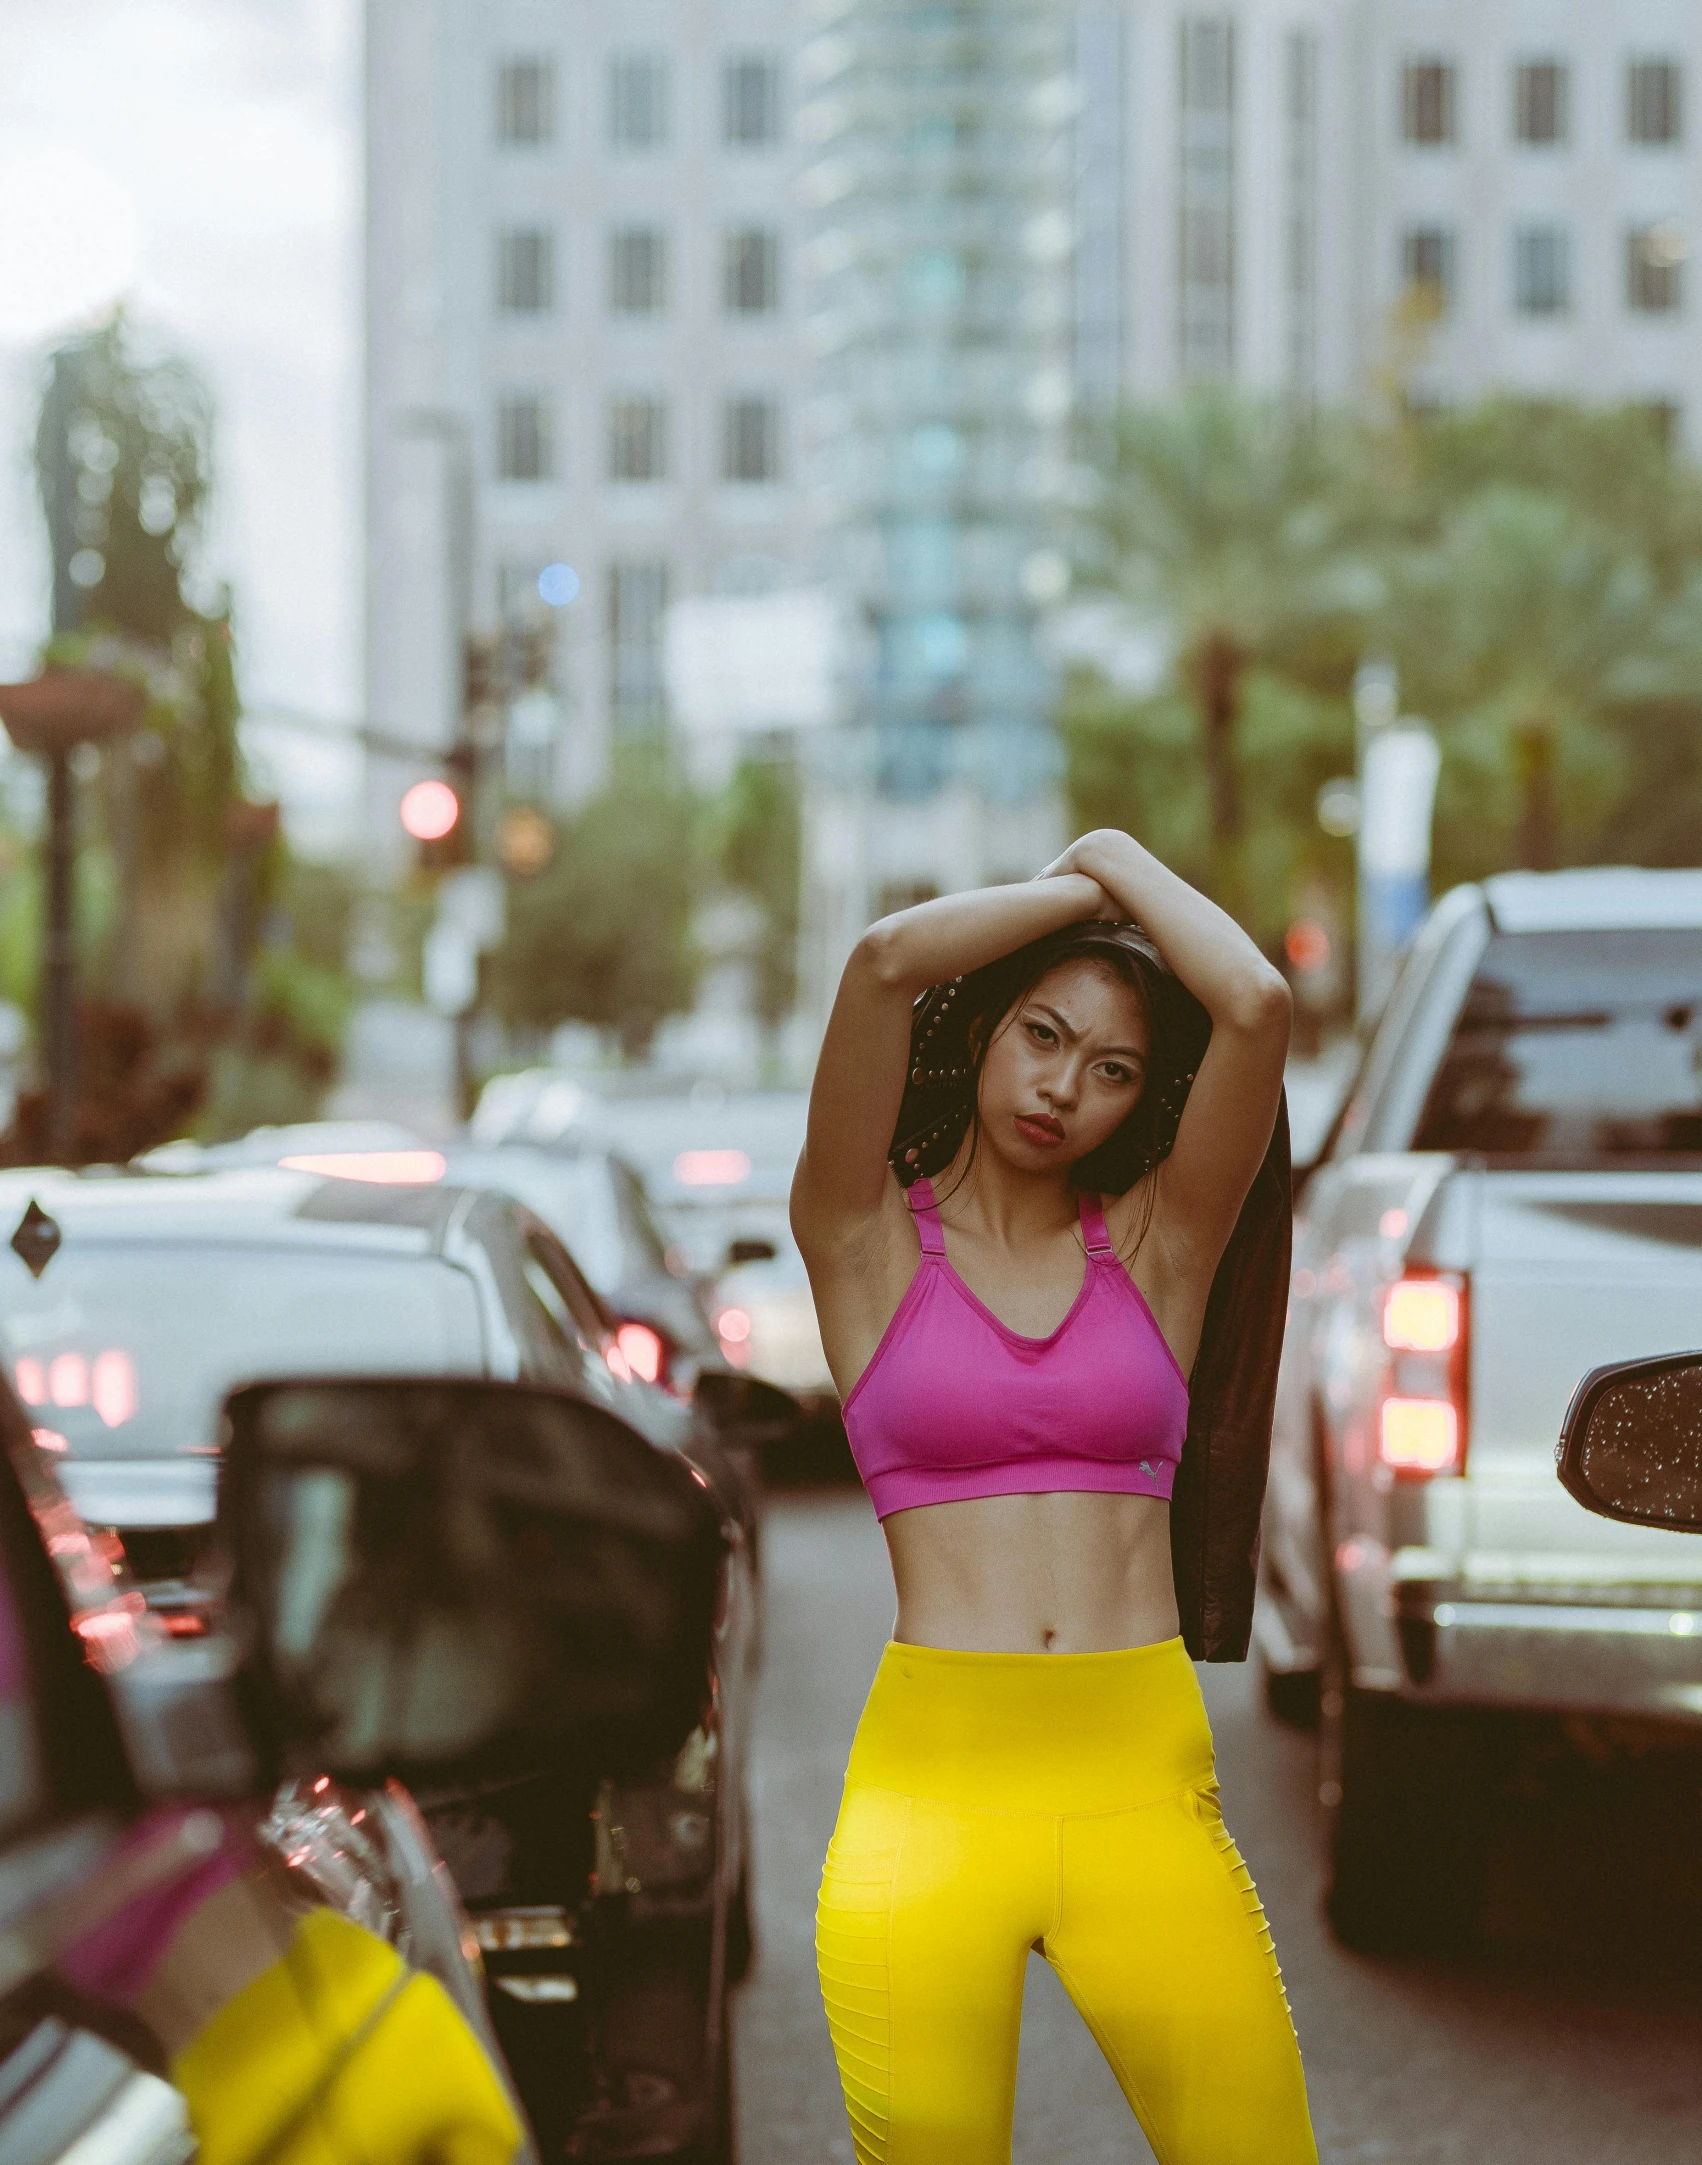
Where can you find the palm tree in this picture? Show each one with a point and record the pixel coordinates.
(1519, 626)
(1242, 528)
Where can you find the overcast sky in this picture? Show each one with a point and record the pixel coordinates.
(199, 159)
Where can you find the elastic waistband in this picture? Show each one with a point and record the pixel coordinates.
(1049, 1733)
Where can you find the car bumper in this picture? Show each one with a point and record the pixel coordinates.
(1570, 1657)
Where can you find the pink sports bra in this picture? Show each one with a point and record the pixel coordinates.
(956, 1404)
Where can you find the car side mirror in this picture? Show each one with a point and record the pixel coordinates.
(1631, 1446)
(449, 1581)
(749, 1251)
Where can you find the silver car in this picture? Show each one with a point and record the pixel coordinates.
(1512, 1195)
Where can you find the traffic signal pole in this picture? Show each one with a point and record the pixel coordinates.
(454, 432)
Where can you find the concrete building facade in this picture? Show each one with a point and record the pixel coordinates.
(620, 321)
(582, 345)
(1461, 196)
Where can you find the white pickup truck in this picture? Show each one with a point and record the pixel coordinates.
(1512, 1196)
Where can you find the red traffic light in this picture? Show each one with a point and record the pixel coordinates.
(429, 811)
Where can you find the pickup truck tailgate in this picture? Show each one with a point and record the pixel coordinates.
(1570, 1270)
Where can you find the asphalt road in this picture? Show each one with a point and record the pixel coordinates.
(1573, 2033)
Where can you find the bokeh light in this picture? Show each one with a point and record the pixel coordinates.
(558, 584)
(429, 811)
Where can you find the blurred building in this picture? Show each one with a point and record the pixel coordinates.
(1536, 189)
(1323, 196)
(582, 347)
(678, 300)
(937, 266)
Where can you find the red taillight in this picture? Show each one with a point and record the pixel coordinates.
(733, 1328)
(1421, 1315)
(643, 1350)
(1421, 1415)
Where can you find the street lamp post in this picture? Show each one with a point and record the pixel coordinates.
(50, 716)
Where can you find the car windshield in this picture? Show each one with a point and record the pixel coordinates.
(1574, 1047)
(126, 1351)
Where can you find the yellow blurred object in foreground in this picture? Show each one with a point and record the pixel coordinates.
(338, 2055)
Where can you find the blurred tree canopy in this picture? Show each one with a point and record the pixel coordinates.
(756, 845)
(1533, 569)
(196, 1002)
(603, 934)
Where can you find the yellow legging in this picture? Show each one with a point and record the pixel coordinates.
(998, 1803)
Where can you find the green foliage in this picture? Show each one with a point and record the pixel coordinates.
(1225, 517)
(756, 843)
(604, 934)
(1136, 764)
(211, 967)
(1533, 569)
(123, 460)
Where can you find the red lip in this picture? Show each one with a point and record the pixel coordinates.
(1040, 1128)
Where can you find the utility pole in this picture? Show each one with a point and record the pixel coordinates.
(51, 716)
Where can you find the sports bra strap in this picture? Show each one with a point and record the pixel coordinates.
(1093, 1226)
(929, 1230)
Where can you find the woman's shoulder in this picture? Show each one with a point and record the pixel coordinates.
(847, 1238)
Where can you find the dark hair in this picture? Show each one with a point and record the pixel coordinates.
(953, 1025)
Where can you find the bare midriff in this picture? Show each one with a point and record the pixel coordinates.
(1048, 1574)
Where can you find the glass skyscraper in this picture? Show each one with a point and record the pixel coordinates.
(938, 308)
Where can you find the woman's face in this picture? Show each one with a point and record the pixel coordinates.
(1065, 1068)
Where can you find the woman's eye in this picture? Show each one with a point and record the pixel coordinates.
(1040, 1031)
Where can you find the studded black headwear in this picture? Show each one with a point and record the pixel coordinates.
(953, 1024)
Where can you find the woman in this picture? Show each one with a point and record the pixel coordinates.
(1033, 1769)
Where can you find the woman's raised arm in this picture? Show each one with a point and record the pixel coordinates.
(841, 1181)
(1231, 1109)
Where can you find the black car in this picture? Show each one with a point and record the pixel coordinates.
(664, 1311)
(611, 1911)
(380, 1627)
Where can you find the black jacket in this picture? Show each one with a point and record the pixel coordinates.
(1220, 1484)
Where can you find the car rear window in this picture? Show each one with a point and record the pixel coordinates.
(575, 1197)
(1575, 1048)
(127, 1350)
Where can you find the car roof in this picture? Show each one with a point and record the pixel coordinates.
(1605, 898)
(248, 1206)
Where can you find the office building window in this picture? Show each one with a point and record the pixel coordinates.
(751, 272)
(525, 272)
(638, 609)
(638, 271)
(1654, 264)
(1430, 102)
(1300, 83)
(1207, 240)
(1654, 108)
(1542, 97)
(1542, 271)
(525, 101)
(638, 439)
(750, 100)
(1427, 266)
(525, 449)
(638, 101)
(750, 440)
